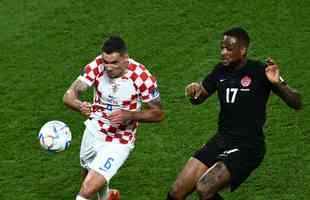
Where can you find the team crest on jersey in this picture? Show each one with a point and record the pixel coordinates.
(246, 81)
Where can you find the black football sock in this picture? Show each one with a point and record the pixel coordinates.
(169, 196)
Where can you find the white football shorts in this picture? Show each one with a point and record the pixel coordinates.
(101, 156)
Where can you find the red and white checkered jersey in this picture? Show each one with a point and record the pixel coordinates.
(128, 92)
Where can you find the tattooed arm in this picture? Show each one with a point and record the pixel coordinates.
(154, 113)
(71, 97)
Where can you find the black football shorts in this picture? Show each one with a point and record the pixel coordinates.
(240, 159)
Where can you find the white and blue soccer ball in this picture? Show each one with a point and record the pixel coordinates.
(55, 136)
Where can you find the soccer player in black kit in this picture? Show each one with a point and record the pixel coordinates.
(243, 87)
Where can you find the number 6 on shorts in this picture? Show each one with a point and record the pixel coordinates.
(108, 163)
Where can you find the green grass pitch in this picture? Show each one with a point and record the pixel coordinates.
(44, 45)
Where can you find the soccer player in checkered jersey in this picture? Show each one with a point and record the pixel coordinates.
(243, 87)
(120, 85)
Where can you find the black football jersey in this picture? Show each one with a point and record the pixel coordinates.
(243, 95)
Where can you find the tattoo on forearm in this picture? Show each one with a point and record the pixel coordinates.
(155, 103)
(78, 87)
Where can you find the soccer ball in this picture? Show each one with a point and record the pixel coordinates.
(55, 136)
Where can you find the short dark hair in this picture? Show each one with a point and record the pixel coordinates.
(240, 34)
(114, 44)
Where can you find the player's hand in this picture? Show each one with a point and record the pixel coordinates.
(85, 108)
(272, 71)
(193, 90)
(120, 116)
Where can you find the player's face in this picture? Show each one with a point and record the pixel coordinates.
(232, 51)
(115, 64)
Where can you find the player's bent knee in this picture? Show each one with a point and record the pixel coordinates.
(92, 183)
(88, 190)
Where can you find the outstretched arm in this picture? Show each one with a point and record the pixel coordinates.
(71, 97)
(289, 95)
(154, 113)
(196, 92)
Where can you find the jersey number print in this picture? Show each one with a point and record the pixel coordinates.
(231, 94)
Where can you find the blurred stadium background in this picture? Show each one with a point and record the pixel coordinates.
(44, 45)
